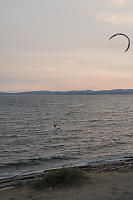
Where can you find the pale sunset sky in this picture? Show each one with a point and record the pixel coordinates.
(64, 45)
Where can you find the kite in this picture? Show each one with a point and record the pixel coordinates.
(124, 36)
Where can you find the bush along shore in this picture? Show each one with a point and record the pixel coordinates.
(61, 177)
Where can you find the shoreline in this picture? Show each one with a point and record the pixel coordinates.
(80, 164)
(108, 180)
(96, 167)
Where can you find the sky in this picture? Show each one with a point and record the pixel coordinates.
(64, 45)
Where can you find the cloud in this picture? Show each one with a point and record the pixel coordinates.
(119, 2)
(115, 18)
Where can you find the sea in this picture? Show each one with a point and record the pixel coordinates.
(92, 128)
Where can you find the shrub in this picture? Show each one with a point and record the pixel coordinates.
(64, 176)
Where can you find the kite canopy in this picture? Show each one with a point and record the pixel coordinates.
(124, 36)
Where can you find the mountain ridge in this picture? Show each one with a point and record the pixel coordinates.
(74, 92)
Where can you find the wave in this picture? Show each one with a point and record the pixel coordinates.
(33, 161)
(80, 164)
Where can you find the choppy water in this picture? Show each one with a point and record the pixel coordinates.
(92, 128)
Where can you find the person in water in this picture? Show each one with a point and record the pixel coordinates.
(56, 126)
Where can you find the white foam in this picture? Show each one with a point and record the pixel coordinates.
(72, 165)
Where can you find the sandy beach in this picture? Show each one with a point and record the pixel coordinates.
(107, 181)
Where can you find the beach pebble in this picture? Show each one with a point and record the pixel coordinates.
(11, 198)
(50, 188)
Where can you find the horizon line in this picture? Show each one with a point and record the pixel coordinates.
(63, 90)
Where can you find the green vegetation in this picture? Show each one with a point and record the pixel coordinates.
(64, 176)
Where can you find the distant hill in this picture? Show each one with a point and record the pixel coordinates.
(2, 93)
(75, 92)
